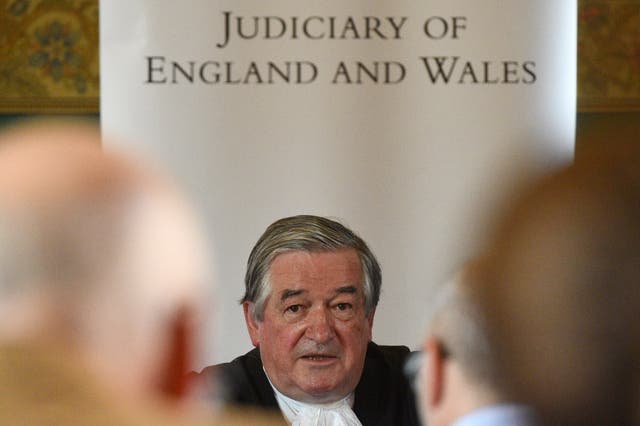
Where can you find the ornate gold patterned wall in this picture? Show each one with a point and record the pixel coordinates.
(609, 55)
(49, 55)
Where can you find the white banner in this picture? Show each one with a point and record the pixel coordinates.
(403, 119)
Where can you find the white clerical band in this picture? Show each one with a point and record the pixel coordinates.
(298, 413)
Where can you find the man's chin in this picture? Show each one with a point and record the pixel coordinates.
(318, 394)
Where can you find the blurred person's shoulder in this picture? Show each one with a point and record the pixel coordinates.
(243, 415)
(44, 385)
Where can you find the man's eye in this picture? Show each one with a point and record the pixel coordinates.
(294, 308)
(343, 306)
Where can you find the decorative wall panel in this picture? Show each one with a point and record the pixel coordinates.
(49, 56)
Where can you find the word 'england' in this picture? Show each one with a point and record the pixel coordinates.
(434, 69)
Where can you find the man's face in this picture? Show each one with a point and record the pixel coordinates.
(314, 334)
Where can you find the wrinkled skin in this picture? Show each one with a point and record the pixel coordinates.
(314, 333)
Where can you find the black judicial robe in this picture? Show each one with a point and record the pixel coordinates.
(383, 396)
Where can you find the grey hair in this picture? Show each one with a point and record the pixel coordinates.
(459, 324)
(311, 234)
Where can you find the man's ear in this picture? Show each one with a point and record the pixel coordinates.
(434, 371)
(253, 325)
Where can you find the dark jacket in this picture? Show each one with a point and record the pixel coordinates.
(383, 396)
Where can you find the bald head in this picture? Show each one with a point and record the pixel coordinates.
(96, 252)
(69, 155)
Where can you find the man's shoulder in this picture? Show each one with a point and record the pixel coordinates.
(383, 395)
(248, 362)
(393, 355)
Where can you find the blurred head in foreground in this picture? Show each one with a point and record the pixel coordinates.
(101, 267)
(564, 298)
(460, 378)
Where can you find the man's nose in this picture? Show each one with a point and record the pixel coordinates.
(320, 326)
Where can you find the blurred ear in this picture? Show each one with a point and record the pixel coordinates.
(253, 325)
(174, 378)
(434, 367)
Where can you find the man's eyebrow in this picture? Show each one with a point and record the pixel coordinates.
(290, 293)
(349, 289)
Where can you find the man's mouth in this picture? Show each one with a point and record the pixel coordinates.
(319, 357)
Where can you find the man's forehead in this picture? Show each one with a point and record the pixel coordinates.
(328, 270)
(288, 293)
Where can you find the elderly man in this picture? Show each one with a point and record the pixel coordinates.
(564, 297)
(101, 284)
(460, 383)
(312, 287)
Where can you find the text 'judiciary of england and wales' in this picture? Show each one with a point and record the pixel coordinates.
(435, 69)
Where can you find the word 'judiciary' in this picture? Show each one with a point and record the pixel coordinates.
(310, 27)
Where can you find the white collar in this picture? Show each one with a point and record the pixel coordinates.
(338, 413)
(499, 414)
